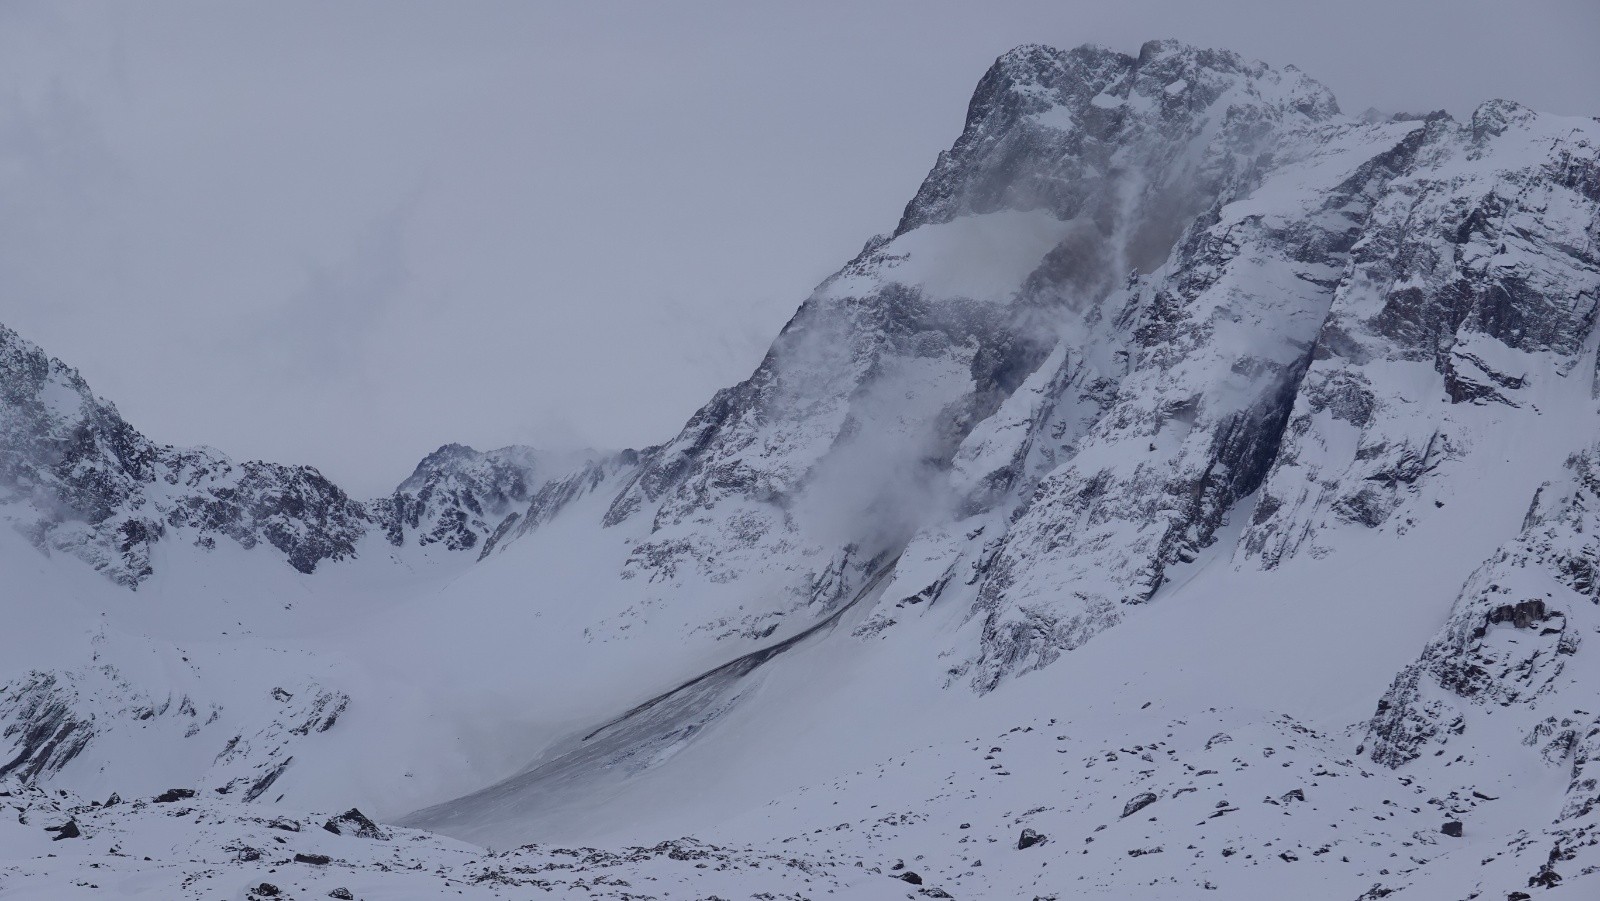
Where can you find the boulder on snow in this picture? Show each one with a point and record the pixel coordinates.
(355, 823)
(69, 829)
(1029, 838)
(1138, 802)
(174, 794)
(342, 893)
(319, 860)
(909, 876)
(1546, 878)
(1452, 829)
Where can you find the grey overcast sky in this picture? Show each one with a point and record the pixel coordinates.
(345, 233)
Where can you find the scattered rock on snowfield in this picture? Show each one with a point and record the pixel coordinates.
(1030, 838)
(174, 794)
(909, 876)
(355, 823)
(320, 860)
(342, 893)
(1452, 829)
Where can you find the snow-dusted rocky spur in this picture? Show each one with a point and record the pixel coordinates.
(1196, 491)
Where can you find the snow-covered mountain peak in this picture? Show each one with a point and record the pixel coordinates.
(1109, 507)
(461, 497)
(76, 478)
(1061, 130)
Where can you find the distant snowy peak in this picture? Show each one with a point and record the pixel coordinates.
(459, 496)
(79, 479)
(76, 478)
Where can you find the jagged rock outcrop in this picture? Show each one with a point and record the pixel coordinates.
(78, 478)
(1469, 306)
(1513, 659)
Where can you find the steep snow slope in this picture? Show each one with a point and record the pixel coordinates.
(1179, 415)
